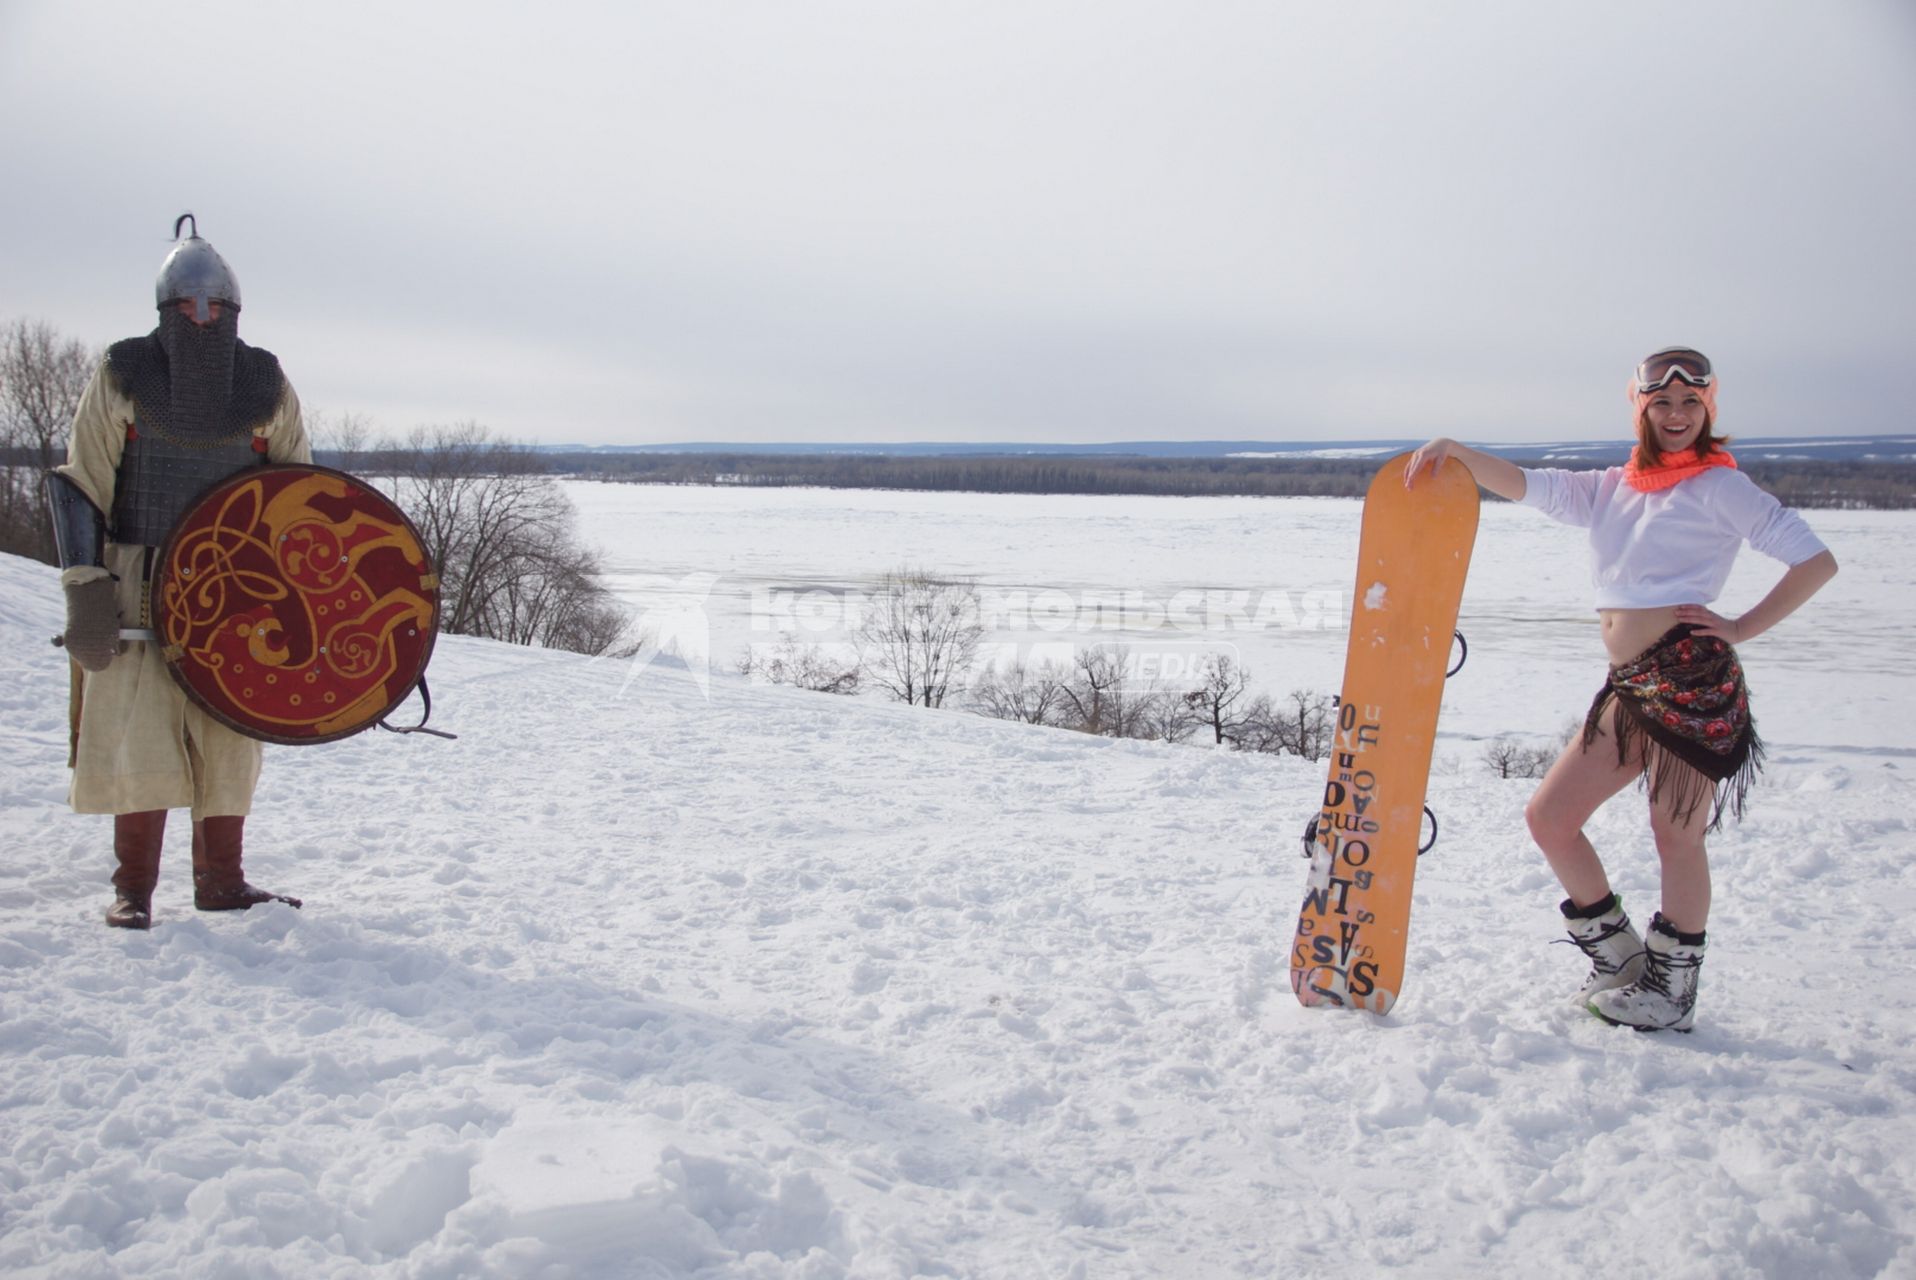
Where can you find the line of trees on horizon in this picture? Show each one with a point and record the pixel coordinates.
(515, 569)
(1872, 485)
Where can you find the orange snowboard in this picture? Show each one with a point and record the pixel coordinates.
(1411, 561)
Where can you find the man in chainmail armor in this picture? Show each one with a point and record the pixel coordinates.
(166, 416)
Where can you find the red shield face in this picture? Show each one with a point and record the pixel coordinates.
(295, 604)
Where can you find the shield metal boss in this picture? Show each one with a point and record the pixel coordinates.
(295, 603)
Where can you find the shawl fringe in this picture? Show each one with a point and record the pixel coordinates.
(1676, 768)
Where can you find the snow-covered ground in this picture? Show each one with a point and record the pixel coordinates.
(635, 981)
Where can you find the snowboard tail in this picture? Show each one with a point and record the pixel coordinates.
(1412, 557)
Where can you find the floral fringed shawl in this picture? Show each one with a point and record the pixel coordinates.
(1683, 711)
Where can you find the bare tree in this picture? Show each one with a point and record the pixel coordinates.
(1257, 728)
(1510, 757)
(1136, 713)
(1506, 757)
(347, 436)
(918, 634)
(1217, 703)
(478, 503)
(1020, 692)
(1313, 723)
(1312, 720)
(1104, 695)
(1093, 699)
(801, 666)
(42, 376)
(549, 594)
(1167, 717)
(1300, 725)
(503, 535)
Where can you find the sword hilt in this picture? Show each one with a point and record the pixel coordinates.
(131, 635)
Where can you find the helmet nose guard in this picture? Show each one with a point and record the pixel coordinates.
(194, 270)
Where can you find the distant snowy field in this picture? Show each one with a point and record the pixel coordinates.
(635, 981)
(1535, 656)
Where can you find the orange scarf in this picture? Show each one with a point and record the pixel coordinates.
(1675, 467)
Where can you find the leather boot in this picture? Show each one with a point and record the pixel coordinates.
(218, 882)
(136, 847)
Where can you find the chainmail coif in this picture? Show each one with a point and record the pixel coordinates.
(195, 386)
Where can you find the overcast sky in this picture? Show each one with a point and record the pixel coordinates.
(1022, 221)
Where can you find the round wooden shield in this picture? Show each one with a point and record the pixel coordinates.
(295, 603)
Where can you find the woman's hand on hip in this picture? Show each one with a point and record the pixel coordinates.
(1708, 622)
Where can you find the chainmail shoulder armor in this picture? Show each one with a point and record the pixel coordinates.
(230, 389)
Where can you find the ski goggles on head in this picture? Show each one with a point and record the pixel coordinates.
(1674, 364)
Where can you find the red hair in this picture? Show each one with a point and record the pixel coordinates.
(1649, 454)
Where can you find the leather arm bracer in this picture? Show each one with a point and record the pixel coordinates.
(79, 531)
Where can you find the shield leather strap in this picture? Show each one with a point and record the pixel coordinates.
(296, 604)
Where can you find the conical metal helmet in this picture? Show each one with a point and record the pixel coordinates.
(195, 270)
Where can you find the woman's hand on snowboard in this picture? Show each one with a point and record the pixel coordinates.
(1429, 457)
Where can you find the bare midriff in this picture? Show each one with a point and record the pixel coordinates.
(1628, 632)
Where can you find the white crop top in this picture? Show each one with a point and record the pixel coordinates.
(1670, 546)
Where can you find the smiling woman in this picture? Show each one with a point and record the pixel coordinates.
(1675, 712)
(1674, 391)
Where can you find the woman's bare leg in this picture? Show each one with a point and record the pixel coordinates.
(1577, 784)
(1686, 864)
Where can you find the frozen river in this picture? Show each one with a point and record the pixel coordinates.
(1267, 577)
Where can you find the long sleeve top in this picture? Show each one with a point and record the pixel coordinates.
(1669, 546)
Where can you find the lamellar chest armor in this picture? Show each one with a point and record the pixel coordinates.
(159, 479)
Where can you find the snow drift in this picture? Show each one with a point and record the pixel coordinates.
(633, 981)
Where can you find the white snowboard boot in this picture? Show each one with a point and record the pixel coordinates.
(1611, 942)
(1664, 997)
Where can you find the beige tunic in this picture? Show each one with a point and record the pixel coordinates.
(139, 743)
